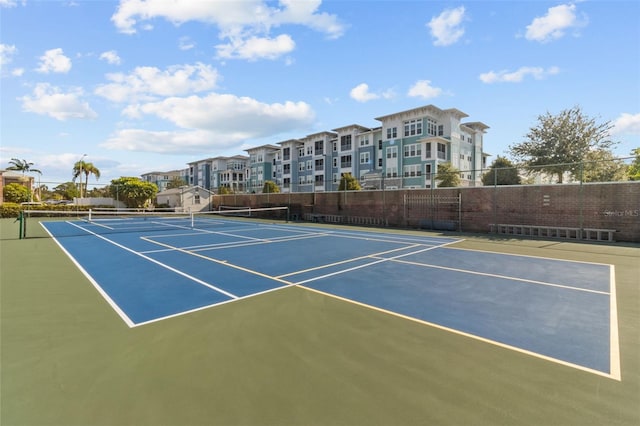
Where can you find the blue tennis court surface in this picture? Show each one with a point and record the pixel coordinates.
(558, 310)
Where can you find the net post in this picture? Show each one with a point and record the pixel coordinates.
(288, 217)
(90, 215)
(21, 225)
(193, 219)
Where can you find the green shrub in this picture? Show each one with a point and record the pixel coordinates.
(10, 209)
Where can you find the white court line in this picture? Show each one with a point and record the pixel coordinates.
(472, 336)
(486, 274)
(372, 263)
(614, 343)
(177, 271)
(93, 282)
(220, 246)
(354, 259)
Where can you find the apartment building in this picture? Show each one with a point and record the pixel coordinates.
(162, 179)
(403, 152)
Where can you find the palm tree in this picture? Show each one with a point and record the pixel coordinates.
(86, 169)
(23, 166)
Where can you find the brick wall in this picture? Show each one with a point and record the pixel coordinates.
(598, 205)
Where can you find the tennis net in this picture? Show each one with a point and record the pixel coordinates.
(71, 223)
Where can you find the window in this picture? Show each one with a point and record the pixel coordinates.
(309, 164)
(335, 146)
(413, 127)
(364, 158)
(427, 149)
(345, 161)
(345, 143)
(392, 152)
(286, 182)
(380, 144)
(309, 150)
(442, 151)
(392, 171)
(319, 179)
(364, 140)
(196, 199)
(392, 132)
(413, 150)
(440, 130)
(432, 127)
(412, 170)
(286, 154)
(379, 162)
(320, 164)
(335, 178)
(319, 147)
(427, 171)
(301, 166)
(286, 169)
(335, 162)
(300, 152)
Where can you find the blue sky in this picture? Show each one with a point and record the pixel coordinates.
(150, 85)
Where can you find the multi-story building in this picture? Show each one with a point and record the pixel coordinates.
(262, 166)
(404, 152)
(162, 179)
(228, 172)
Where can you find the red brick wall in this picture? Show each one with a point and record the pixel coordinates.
(598, 205)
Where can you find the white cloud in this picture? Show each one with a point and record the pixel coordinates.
(212, 122)
(8, 3)
(361, 93)
(254, 48)
(111, 57)
(423, 89)
(54, 61)
(554, 24)
(185, 43)
(517, 76)
(149, 83)
(447, 28)
(6, 54)
(246, 25)
(627, 124)
(50, 100)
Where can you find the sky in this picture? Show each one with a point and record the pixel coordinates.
(137, 86)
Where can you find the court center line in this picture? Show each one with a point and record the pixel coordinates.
(371, 263)
(220, 262)
(486, 274)
(177, 271)
(354, 259)
(220, 246)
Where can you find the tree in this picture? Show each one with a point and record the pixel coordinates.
(348, 182)
(66, 191)
(86, 169)
(22, 165)
(176, 182)
(270, 187)
(133, 191)
(601, 166)
(224, 190)
(16, 193)
(447, 176)
(560, 142)
(501, 172)
(633, 171)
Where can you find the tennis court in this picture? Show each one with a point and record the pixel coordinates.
(269, 322)
(155, 267)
